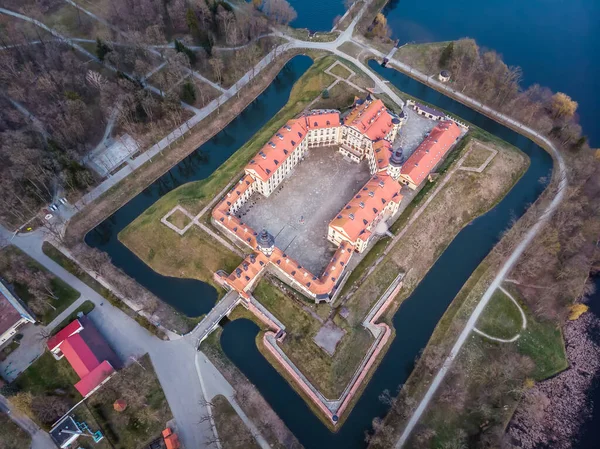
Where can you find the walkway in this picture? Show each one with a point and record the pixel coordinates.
(561, 176)
(523, 322)
(212, 319)
(214, 384)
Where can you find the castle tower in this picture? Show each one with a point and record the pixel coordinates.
(265, 242)
(395, 164)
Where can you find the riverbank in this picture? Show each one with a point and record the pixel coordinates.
(553, 412)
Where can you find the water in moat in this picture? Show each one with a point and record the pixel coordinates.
(189, 296)
(416, 318)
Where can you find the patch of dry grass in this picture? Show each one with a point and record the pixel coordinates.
(477, 156)
(233, 433)
(340, 71)
(465, 196)
(179, 219)
(195, 255)
(330, 374)
(147, 409)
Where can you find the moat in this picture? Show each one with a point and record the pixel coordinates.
(418, 315)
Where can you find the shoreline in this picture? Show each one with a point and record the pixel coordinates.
(556, 412)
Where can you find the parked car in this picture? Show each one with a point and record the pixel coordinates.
(63, 200)
(53, 207)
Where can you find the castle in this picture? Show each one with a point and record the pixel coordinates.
(367, 132)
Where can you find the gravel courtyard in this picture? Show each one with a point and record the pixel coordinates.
(413, 132)
(299, 211)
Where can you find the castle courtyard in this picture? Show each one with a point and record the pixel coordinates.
(298, 212)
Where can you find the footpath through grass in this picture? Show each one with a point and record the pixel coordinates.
(46, 301)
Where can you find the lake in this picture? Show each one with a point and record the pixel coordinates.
(555, 42)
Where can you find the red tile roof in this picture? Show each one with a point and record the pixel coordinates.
(324, 119)
(382, 150)
(430, 152)
(360, 212)
(87, 352)
(278, 149)
(79, 355)
(370, 118)
(61, 336)
(95, 378)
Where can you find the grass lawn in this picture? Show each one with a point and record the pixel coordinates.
(421, 55)
(330, 374)
(179, 219)
(350, 48)
(341, 71)
(47, 375)
(372, 255)
(85, 308)
(341, 96)
(65, 295)
(501, 318)
(234, 434)
(147, 409)
(477, 156)
(11, 435)
(196, 254)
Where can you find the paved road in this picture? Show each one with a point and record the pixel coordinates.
(174, 361)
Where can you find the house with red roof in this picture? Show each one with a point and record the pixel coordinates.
(429, 153)
(87, 352)
(13, 314)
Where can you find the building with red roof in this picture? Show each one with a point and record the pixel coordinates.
(429, 153)
(378, 200)
(13, 314)
(87, 352)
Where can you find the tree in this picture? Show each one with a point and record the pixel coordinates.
(257, 3)
(325, 93)
(446, 56)
(102, 49)
(562, 106)
(217, 66)
(181, 48)
(188, 92)
(279, 11)
(380, 27)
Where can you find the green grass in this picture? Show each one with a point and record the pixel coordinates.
(233, 432)
(341, 71)
(501, 318)
(11, 435)
(85, 308)
(65, 295)
(372, 255)
(47, 375)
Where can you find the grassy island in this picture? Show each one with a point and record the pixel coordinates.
(467, 186)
